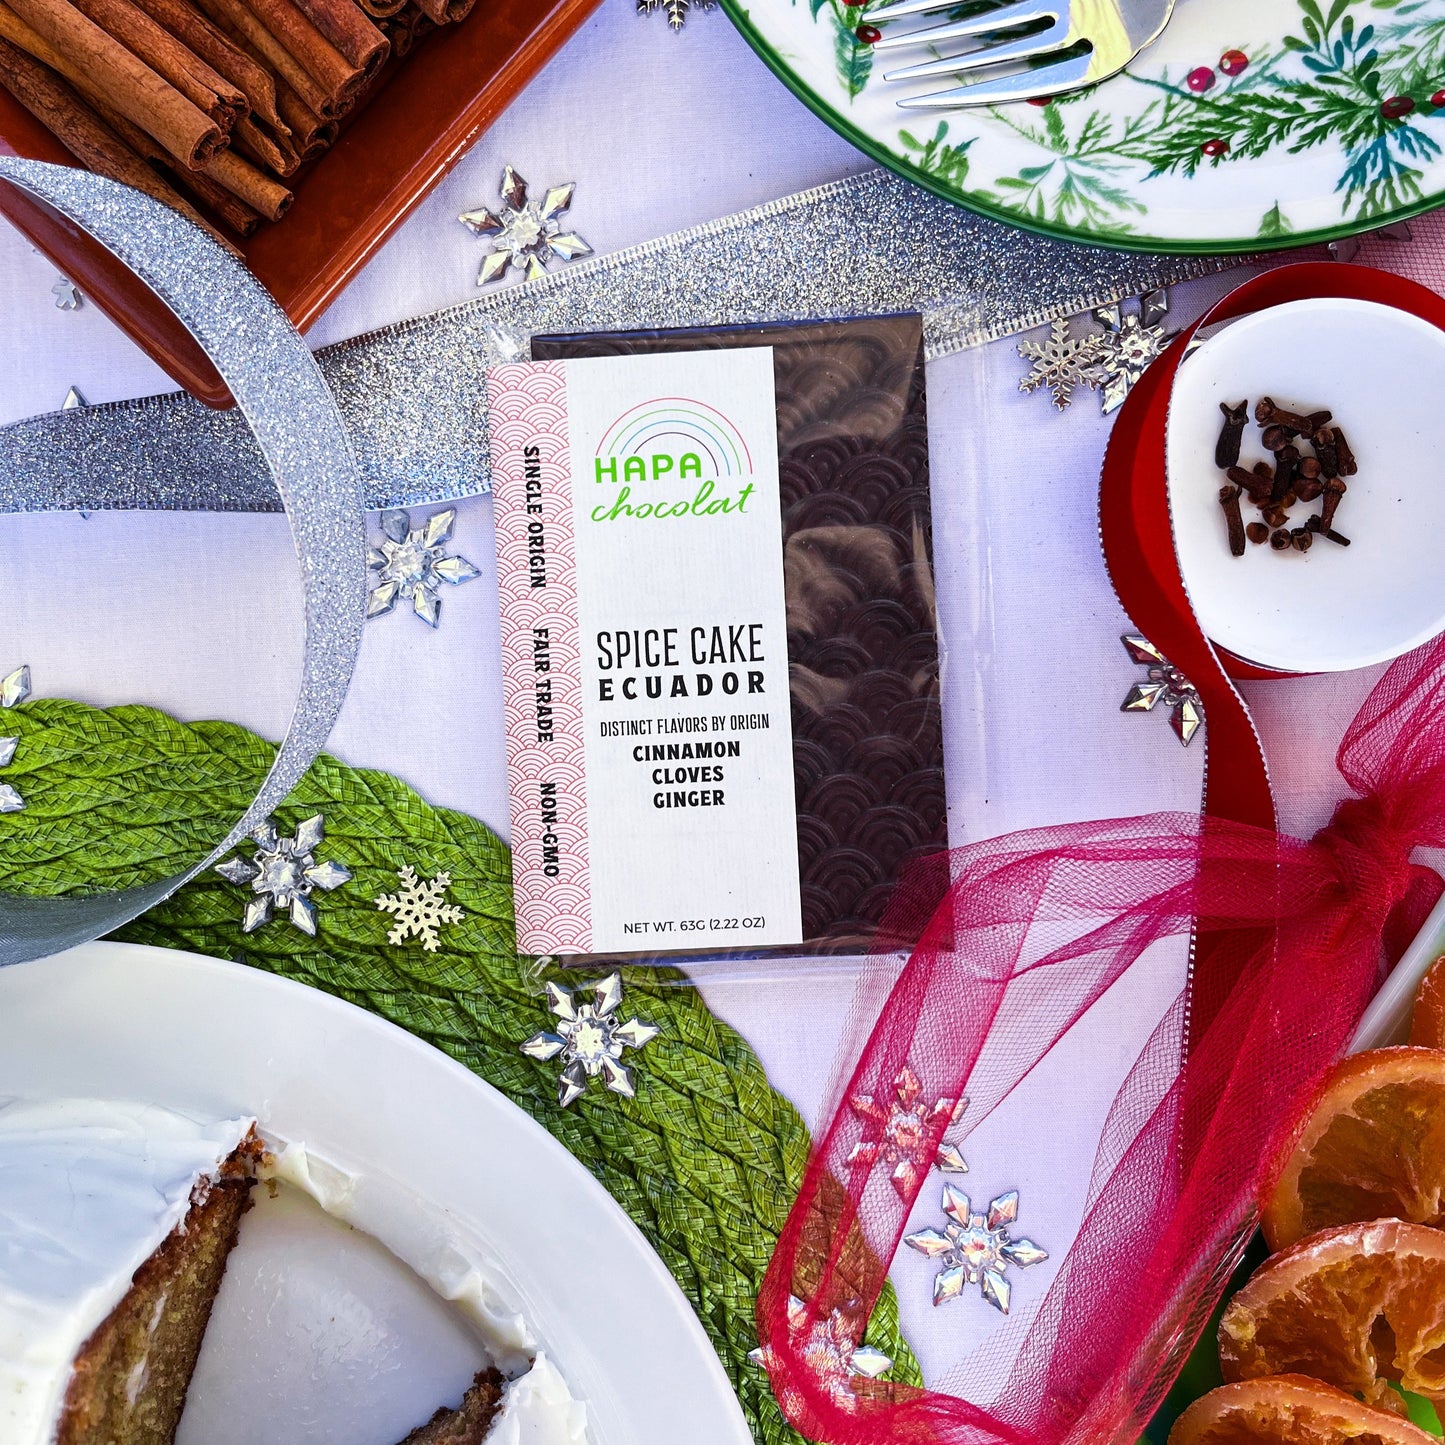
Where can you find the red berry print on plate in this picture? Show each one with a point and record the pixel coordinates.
(1200, 80)
(1397, 106)
(869, 34)
(1215, 147)
(1233, 62)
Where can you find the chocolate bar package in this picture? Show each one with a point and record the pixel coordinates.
(719, 640)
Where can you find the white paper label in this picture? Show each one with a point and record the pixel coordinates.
(656, 633)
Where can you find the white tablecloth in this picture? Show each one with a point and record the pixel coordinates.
(199, 614)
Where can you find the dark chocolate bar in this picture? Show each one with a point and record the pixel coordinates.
(858, 576)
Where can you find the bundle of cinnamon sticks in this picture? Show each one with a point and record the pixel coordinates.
(209, 105)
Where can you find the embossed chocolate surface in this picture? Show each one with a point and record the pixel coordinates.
(858, 575)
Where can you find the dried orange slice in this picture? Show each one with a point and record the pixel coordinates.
(1354, 1306)
(1427, 1023)
(1374, 1148)
(1289, 1410)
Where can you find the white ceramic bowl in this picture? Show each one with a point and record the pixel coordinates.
(1382, 372)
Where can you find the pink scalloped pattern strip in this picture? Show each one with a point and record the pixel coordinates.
(528, 406)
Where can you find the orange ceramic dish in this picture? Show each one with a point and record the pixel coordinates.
(417, 125)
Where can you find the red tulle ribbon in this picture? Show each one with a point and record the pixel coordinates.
(1012, 941)
(1017, 938)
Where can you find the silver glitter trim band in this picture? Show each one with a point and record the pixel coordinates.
(414, 398)
(299, 441)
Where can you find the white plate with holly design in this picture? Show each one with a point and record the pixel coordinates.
(1249, 125)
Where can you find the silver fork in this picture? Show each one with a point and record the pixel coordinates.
(1115, 30)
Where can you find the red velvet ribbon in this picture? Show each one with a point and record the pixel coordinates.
(1012, 942)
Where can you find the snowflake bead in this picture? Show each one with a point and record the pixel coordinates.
(525, 233)
(827, 1345)
(419, 909)
(902, 1128)
(1164, 685)
(976, 1248)
(14, 689)
(413, 563)
(283, 874)
(590, 1039)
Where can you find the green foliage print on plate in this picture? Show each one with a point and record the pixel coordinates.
(1250, 124)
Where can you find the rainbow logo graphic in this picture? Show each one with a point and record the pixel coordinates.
(673, 434)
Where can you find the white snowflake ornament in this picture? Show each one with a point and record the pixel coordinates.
(283, 874)
(827, 1346)
(677, 10)
(413, 563)
(525, 233)
(901, 1128)
(976, 1248)
(14, 689)
(590, 1039)
(419, 908)
(1063, 362)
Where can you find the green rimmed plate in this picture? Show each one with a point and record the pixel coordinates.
(1249, 125)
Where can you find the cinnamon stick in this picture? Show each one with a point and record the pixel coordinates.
(169, 58)
(249, 32)
(62, 112)
(310, 133)
(220, 52)
(266, 147)
(133, 88)
(270, 198)
(446, 12)
(348, 27)
(337, 76)
(382, 9)
(217, 199)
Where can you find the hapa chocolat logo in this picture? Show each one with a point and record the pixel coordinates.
(679, 449)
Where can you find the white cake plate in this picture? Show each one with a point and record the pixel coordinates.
(320, 1334)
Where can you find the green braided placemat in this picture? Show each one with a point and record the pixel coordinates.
(706, 1159)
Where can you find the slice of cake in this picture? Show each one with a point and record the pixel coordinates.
(534, 1409)
(471, 1421)
(115, 1223)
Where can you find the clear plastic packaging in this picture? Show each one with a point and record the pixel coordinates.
(863, 647)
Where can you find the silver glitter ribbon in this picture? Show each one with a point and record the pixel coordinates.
(300, 442)
(414, 398)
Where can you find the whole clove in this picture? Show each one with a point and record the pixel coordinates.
(1274, 437)
(1335, 490)
(1313, 523)
(1255, 487)
(1226, 449)
(1308, 468)
(1229, 500)
(1266, 413)
(1348, 465)
(1285, 461)
(1326, 451)
(1309, 491)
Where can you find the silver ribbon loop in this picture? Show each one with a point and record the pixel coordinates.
(303, 442)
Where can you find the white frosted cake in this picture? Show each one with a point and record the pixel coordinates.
(116, 1222)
